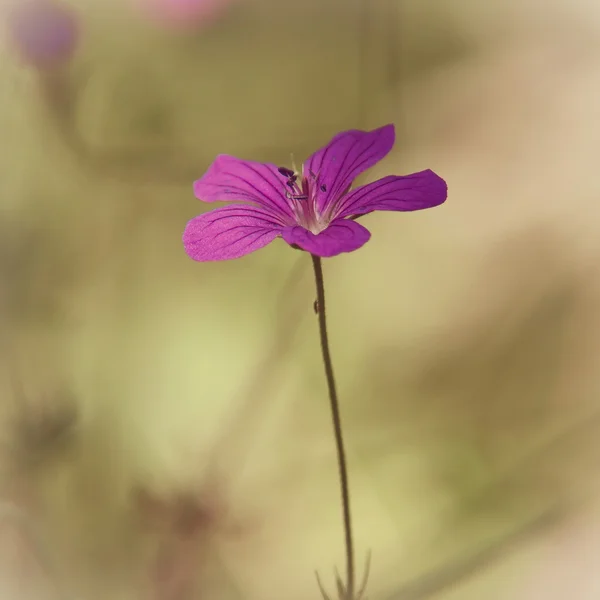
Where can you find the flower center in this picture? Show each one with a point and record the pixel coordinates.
(302, 195)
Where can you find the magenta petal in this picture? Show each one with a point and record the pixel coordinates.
(229, 232)
(341, 236)
(347, 155)
(410, 192)
(231, 179)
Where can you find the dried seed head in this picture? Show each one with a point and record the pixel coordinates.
(182, 514)
(39, 428)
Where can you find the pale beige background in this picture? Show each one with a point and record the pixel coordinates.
(465, 338)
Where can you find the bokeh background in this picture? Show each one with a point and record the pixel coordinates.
(165, 432)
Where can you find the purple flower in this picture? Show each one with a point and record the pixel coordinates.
(314, 210)
(44, 32)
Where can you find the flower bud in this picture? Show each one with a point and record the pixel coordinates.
(183, 13)
(44, 33)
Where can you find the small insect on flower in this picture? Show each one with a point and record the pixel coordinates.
(314, 210)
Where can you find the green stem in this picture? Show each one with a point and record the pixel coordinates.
(337, 424)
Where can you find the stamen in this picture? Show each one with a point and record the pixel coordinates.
(296, 196)
(323, 188)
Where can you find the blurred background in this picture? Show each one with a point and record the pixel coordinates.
(164, 425)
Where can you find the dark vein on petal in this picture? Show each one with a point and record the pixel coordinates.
(258, 193)
(261, 197)
(270, 183)
(212, 222)
(248, 212)
(331, 194)
(361, 154)
(208, 250)
(232, 189)
(363, 193)
(324, 155)
(361, 200)
(342, 180)
(239, 239)
(261, 234)
(224, 213)
(341, 175)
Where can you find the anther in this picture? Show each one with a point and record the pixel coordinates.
(296, 196)
(286, 172)
(323, 188)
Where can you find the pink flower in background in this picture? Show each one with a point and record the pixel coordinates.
(183, 13)
(44, 33)
(313, 210)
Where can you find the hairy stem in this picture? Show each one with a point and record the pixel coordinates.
(337, 425)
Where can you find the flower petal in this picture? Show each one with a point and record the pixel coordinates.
(341, 236)
(232, 179)
(346, 156)
(410, 192)
(229, 232)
